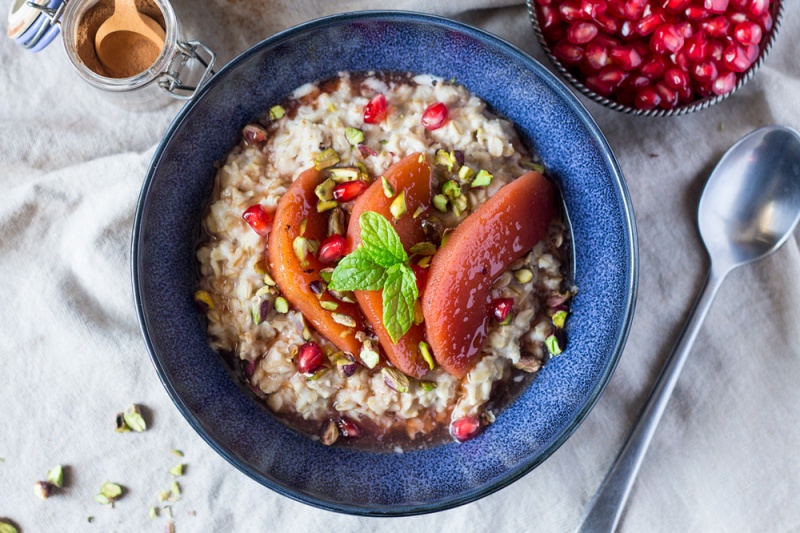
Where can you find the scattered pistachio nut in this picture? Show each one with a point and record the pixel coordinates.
(418, 211)
(112, 491)
(440, 202)
(369, 355)
(276, 112)
(177, 470)
(56, 476)
(326, 274)
(425, 352)
(425, 262)
(445, 159)
(445, 236)
(42, 489)
(465, 173)
(419, 317)
(344, 174)
(553, 346)
(324, 190)
(395, 379)
(427, 385)
(559, 318)
(327, 205)
(133, 418)
(330, 433)
(451, 189)
(398, 207)
(482, 179)
(346, 296)
(175, 488)
(259, 310)
(103, 500)
(268, 281)
(388, 189)
(203, 301)
(459, 205)
(163, 496)
(523, 275)
(326, 159)
(328, 305)
(423, 248)
(301, 249)
(153, 512)
(336, 224)
(354, 136)
(6, 527)
(344, 320)
(530, 165)
(176, 452)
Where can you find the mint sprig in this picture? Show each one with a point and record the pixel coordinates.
(380, 263)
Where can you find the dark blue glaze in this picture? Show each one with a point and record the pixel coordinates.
(549, 118)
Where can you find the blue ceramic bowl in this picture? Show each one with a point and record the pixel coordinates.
(549, 118)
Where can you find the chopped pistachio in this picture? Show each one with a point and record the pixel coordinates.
(306, 334)
(451, 189)
(269, 281)
(354, 136)
(420, 209)
(303, 226)
(559, 318)
(483, 179)
(345, 296)
(326, 159)
(263, 291)
(42, 489)
(313, 246)
(111, 491)
(336, 224)
(259, 310)
(343, 174)
(326, 274)
(163, 496)
(445, 159)
(508, 319)
(421, 158)
(364, 171)
(368, 355)
(56, 476)
(398, 207)
(330, 433)
(317, 374)
(276, 112)
(465, 173)
(425, 262)
(328, 305)
(153, 513)
(175, 488)
(445, 236)
(344, 320)
(177, 470)
(523, 275)
(103, 500)
(388, 189)
(423, 248)
(331, 107)
(530, 165)
(301, 249)
(459, 205)
(440, 202)
(203, 299)
(281, 305)
(134, 419)
(317, 287)
(324, 190)
(553, 345)
(427, 385)
(395, 379)
(419, 318)
(326, 206)
(425, 352)
(5, 527)
(176, 452)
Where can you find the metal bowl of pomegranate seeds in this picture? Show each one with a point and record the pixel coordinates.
(656, 57)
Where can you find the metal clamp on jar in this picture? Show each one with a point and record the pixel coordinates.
(177, 72)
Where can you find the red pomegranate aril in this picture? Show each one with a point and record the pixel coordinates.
(628, 30)
(581, 32)
(249, 368)
(735, 58)
(309, 358)
(638, 82)
(666, 39)
(633, 9)
(258, 218)
(695, 13)
(681, 60)
(254, 134)
(332, 249)
(676, 78)
(605, 41)
(593, 8)
(752, 52)
(703, 88)
(626, 57)
(608, 23)
(715, 50)
(669, 97)
(465, 428)
(421, 276)
(648, 24)
(570, 11)
(737, 18)
(675, 6)
(654, 67)
(366, 151)
(596, 56)
(501, 307)
(548, 18)
(646, 99)
(349, 190)
(685, 94)
(567, 52)
(348, 428)
(757, 8)
(716, 6)
(545, 2)
(748, 33)
(696, 47)
(612, 75)
(766, 21)
(739, 5)
(686, 29)
(717, 27)
(375, 110)
(435, 116)
(601, 88)
(724, 83)
(705, 71)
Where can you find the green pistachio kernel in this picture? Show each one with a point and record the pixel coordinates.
(425, 352)
(326, 274)
(153, 512)
(204, 298)
(369, 355)
(398, 207)
(326, 159)
(552, 345)
(440, 202)
(56, 476)
(342, 174)
(427, 385)
(423, 248)
(269, 281)
(111, 491)
(425, 262)
(419, 318)
(388, 189)
(281, 305)
(176, 452)
(354, 136)
(559, 318)
(103, 500)
(276, 112)
(301, 249)
(395, 379)
(451, 189)
(324, 190)
(483, 179)
(133, 418)
(418, 211)
(175, 488)
(445, 159)
(445, 237)
(523, 275)
(177, 470)
(163, 496)
(5, 527)
(326, 206)
(459, 205)
(508, 319)
(465, 173)
(328, 305)
(344, 320)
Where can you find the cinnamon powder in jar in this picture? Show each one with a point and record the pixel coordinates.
(138, 57)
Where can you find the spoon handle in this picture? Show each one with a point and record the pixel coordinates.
(606, 507)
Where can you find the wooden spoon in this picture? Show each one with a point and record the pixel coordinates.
(121, 30)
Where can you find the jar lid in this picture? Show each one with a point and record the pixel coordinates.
(34, 27)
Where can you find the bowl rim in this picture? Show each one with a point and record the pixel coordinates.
(683, 109)
(629, 227)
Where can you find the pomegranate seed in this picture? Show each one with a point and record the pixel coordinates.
(648, 24)
(669, 97)
(593, 8)
(332, 249)
(568, 53)
(421, 275)
(715, 50)
(616, 8)
(254, 134)
(628, 30)
(740, 5)
(758, 8)
(626, 57)
(705, 71)
(654, 67)
(309, 358)
(737, 18)
(766, 21)
(249, 368)
(752, 52)
(348, 428)
(647, 98)
(465, 428)
(675, 6)
(685, 29)
(716, 6)
(596, 56)
(736, 59)
(612, 75)
(581, 32)
(638, 82)
(366, 151)
(570, 11)
(665, 39)
(434, 116)
(594, 83)
(633, 9)
(605, 41)
(724, 83)
(548, 18)
(681, 60)
(258, 218)
(676, 78)
(349, 190)
(696, 47)
(375, 110)
(685, 94)
(501, 307)
(717, 27)
(695, 13)
(607, 23)
(703, 88)
(747, 33)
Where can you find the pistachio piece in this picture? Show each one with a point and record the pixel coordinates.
(301, 249)
(269, 281)
(388, 189)
(451, 189)
(326, 159)
(346, 296)
(508, 319)
(281, 305)
(317, 374)
(330, 433)
(42, 489)
(175, 488)
(419, 318)
(326, 274)
(425, 352)
(112, 491)
(440, 202)
(523, 275)
(483, 179)
(324, 190)
(276, 112)
(398, 207)
(553, 345)
(345, 364)
(445, 159)
(177, 470)
(266, 290)
(259, 310)
(395, 379)
(425, 262)
(6, 527)
(363, 170)
(559, 318)
(343, 174)
(326, 205)
(328, 305)
(336, 222)
(418, 211)
(133, 418)
(530, 165)
(153, 512)
(423, 248)
(369, 356)
(56, 476)
(121, 426)
(163, 495)
(354, 136)
(445, 236)
(103, 500)
(344, 320)
(203, 301)
(427, 385)
(465, 173)
(459, 205)
(176, 452)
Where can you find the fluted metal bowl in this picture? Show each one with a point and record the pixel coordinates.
(766, 45)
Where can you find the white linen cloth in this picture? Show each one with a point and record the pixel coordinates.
(725, 457)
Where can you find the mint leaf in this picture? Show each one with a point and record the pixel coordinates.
(358, 272)
(399, 296)
(380, 240)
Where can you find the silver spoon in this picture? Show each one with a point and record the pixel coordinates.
(749, 208)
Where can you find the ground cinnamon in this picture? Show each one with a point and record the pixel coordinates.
(138, 57)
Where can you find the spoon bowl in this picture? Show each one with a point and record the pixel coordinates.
(125, 31)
